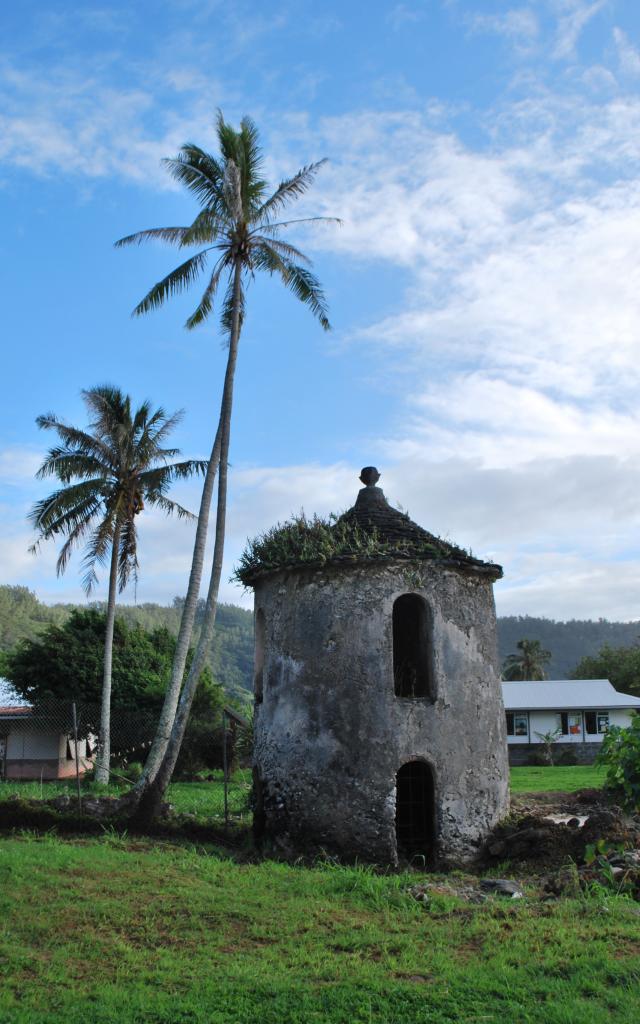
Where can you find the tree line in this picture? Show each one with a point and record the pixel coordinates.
(584, 649)
(230, 658)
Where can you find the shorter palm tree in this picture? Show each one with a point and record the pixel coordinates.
(529, 663)
(110, 472)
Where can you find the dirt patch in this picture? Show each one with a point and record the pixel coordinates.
(546, 830)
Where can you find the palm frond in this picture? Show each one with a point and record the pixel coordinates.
(299, 220)
(60, 511)
(157, 433)
(170, 507)
(161, 477)
(173, 235)
(128, 553)
(304, 285)
(284, 249)
(203, 308)
(174, 283)
(66, 463)
(79, 440)
(288, 190)
(74, 538)
(200, 173)
(207, 227)
(97, 550)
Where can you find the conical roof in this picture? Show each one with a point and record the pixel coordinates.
(373, 514)
(371, 531)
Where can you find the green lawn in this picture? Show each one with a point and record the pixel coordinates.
(204, 799)
(563, 778)
(118, 932)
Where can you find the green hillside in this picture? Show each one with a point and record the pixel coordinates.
(23, 615)
(567, 641)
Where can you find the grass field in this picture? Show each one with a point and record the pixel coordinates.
(135, 933)
(561, 778)
(204, 799)
(124, 930)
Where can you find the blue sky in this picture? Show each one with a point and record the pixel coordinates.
(484, 286)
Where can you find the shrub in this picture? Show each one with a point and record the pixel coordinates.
(567, 757)
(620, 754)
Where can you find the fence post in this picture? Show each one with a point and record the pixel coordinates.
(75, 744)
(225, 766)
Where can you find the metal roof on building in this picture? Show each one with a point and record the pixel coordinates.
(16, 711)
(563, 694)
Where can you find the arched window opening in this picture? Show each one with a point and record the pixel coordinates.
(412, 648)
(258, 664)
(415, 811)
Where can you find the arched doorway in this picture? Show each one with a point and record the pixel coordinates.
(415, 811)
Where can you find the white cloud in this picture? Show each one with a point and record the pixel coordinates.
(402, 15)
(628, 55)
(573, 16)
(519, 25)
(564, 586)
(18, 464)
(76, 122)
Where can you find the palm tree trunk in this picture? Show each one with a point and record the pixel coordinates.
(104, 746)
(167, 715)
(151, 800)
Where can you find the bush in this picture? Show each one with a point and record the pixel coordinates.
(620, 754)
(567, 758)
(132, 772)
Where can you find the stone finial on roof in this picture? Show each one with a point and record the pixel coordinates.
(369, 476)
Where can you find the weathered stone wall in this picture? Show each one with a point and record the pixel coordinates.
(330, 734)
(576, 753)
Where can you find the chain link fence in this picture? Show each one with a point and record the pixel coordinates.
(52, 747)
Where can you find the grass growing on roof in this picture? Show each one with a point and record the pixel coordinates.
(125, 931)
(316, 541)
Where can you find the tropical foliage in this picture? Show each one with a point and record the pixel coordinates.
(620, 665)
(23, 616)
(109, 472)
(529, 662)
(238, 232)
(568, 642)
(65, 662)
(620, 754)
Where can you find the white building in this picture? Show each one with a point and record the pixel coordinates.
(33, 748)
(579, 710)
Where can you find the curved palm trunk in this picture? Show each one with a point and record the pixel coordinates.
(150, 802)
(104, 746)
(167, 715)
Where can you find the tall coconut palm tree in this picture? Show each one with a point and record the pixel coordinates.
(529, 663)
(110, 472)
(239, 232)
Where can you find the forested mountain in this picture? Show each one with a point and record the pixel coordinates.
(567, 641)
(22, 615)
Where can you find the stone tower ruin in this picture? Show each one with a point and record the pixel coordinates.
(379, 725)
